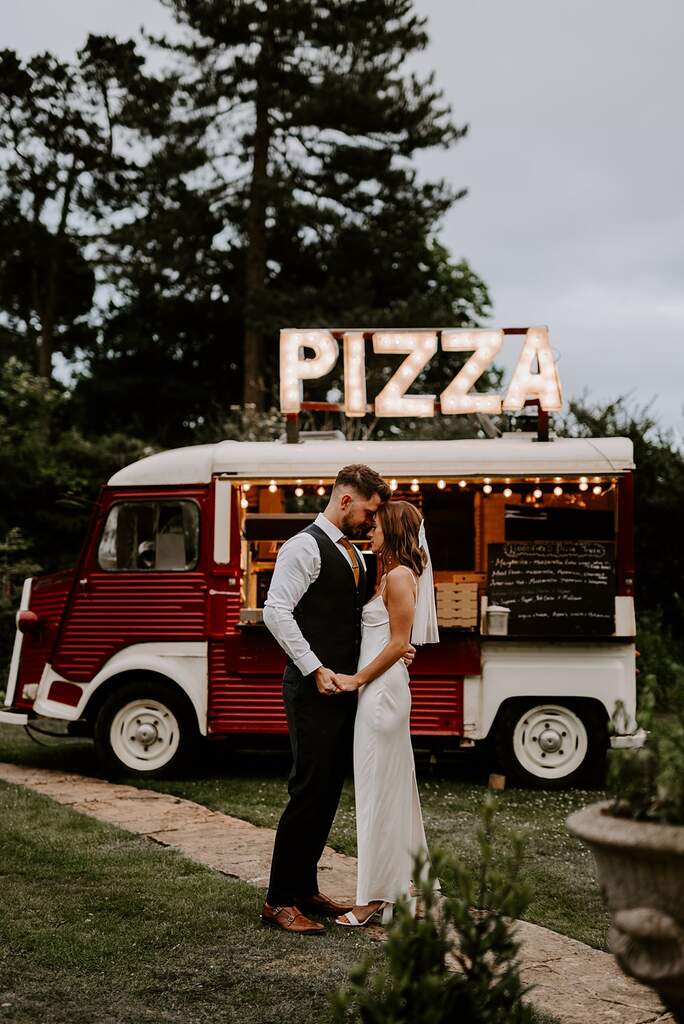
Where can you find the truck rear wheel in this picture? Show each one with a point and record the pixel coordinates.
(144, 728)
(551, 745)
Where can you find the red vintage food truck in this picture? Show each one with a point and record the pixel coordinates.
(156, 638)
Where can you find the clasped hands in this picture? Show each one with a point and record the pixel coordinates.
(330, 683)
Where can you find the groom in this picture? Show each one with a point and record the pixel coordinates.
(313, 609)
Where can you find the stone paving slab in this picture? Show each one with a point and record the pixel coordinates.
(573, 982)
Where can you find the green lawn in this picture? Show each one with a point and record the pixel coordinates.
(559, 870)
(100, 925)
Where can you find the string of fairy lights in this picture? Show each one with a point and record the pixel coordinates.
(535, 488)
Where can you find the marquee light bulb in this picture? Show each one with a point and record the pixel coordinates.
(583, 479)
(457, 397)
(538, 493)
(393, 484)
(299, 491)
(507, 492)
(273, 487)
(596, 489)
(295, 368)
(354, 374)
(419, 347)
(244, 503)
(558, 491)
(441, 484)
(487, 488)
(584, 486)
(415, 486)
(320, 491)
(544, 384)
(462, 483)
(246, 485)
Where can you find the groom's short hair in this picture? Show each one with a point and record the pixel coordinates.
(364, 480)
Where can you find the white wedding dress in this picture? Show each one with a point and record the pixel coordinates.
(389, 823)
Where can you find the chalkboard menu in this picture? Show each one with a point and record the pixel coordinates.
(562, 588)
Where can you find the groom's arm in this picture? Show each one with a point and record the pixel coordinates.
(297, 567)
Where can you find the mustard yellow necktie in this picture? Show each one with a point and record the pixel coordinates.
(349, 547)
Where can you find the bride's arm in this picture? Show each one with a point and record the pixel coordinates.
(400, 607)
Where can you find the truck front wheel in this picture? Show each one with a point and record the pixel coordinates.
(552, 745)
(144, 728)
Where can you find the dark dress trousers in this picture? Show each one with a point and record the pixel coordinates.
(321, 726)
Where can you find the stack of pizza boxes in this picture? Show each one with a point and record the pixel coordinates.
(457, 602)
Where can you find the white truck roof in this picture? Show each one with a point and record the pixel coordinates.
(511, 455)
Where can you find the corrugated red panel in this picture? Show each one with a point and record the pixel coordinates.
(114, 611)
(246, 703)
(249, 702)
(48, 596)
(436, 707)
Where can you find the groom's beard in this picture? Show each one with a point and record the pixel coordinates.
(354, 531)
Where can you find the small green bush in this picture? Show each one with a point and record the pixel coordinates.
(457, 963)
(647, 783)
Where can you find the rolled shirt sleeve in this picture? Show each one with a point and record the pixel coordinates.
(297, 567)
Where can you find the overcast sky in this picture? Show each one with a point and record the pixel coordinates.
(573, 162)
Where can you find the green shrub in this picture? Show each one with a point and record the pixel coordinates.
(647, 783)
(457, 963)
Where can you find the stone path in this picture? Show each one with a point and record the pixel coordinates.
(575, 983)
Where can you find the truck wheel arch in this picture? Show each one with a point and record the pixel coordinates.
(119, 679)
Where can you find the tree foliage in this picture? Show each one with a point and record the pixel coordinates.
(658, 499)
(70, 138)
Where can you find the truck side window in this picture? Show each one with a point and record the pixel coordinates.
(144, 535)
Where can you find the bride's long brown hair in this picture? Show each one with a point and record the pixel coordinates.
(400, 522)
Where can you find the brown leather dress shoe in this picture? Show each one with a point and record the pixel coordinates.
(322, 904)
(290, 919)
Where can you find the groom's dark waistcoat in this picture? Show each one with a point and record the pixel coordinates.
(329, 613)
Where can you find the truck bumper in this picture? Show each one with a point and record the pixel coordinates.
(8, 716)
(635, 739)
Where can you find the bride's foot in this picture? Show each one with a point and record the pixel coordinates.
(358, 916)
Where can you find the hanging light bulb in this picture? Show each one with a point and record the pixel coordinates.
(507, 492)
(596, 489)
(393, 484)
(487, 488)
(462, 483)
(558, 491)
(320, 491)
(244, 503)
(414, 485)
(584, 486)
(299, 491)
(538, 493)
(273, 487)
(441, 484)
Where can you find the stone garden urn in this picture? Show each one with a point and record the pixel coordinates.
(641, 872)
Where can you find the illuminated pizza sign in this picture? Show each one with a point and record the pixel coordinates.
(535, 376)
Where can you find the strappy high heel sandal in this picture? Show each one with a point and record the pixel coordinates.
(350, 920)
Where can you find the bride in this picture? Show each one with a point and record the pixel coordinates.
(389, 822)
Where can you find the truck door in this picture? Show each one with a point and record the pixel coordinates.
(141, 580)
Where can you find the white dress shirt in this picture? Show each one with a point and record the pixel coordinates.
(297, 566)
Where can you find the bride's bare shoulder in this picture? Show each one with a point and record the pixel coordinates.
(400, 577)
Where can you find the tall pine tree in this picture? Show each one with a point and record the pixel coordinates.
(309, 119)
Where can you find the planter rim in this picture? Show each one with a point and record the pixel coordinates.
(595, 825)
